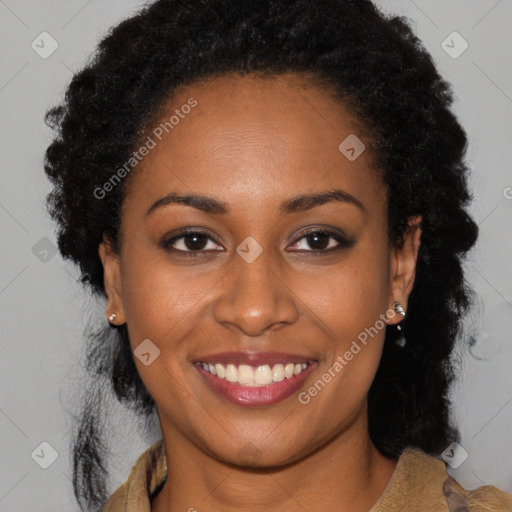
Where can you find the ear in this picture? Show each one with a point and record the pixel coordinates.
(403, 266)
(112, 281)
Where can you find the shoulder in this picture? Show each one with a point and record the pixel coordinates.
(146, 477)
(421, 483)
(486, 498)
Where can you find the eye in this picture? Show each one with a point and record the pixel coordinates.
(320, 241)
(323, 241)
(191, 241)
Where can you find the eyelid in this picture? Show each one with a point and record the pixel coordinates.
(343, 240)
(337, 234)
(168, 241)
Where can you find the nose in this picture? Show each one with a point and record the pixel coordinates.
(256, 298)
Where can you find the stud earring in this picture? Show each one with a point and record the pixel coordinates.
(399, 309)
(112, 317)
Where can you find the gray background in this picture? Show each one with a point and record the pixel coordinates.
(44, 311)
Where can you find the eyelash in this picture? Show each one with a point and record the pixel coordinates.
(343, 242)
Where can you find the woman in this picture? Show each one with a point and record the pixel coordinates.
(272, 198)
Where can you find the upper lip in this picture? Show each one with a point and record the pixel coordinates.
(253, 358)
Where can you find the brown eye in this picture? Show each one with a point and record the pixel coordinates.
(195, 242)
(318, 241)
(322, 241)
(190, 241)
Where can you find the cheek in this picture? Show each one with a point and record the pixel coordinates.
(354, 309)
(351, 296)
(157, 295)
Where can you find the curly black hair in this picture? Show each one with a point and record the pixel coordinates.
(382, 73)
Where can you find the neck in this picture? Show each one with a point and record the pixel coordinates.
(347, 473)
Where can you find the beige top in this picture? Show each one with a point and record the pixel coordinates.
(419, 483)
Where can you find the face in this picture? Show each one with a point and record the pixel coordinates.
(271, 272)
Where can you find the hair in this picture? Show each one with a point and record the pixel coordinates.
(381, 72)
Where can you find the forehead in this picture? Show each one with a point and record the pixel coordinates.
(252, 138)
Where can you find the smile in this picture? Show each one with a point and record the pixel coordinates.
(258, 383)
(255, 376)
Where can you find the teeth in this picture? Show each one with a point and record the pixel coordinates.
(221, 371)
(278, 373)
(231, 373)
(247, 375)
(263, 375)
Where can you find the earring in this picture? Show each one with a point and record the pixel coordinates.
(112, 317)
(399, 309)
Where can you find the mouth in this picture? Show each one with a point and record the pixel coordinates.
(261, 375)
(253, 379)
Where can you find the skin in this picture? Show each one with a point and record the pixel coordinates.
(254, 143)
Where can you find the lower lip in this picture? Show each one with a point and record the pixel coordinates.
(253, 396)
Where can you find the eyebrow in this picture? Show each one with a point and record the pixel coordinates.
(295, 204)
